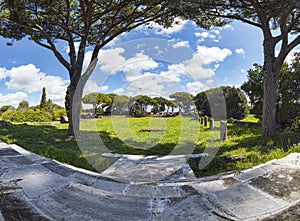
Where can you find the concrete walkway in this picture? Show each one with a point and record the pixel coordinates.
(37, 188)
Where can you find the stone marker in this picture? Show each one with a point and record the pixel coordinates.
(64, 119)
(212, 123)
(205, 121)
(223, 130)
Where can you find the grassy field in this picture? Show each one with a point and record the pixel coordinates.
(244, 146)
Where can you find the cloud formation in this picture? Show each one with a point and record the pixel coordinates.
(12, 99)
(29, 79)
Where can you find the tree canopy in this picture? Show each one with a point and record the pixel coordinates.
(236, 102)
(288, 98)
(184, 101)
(282, 15)
(86, 23)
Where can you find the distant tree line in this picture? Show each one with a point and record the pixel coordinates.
(184, 102)
(44, 112)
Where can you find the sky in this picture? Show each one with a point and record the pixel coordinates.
(153, 61)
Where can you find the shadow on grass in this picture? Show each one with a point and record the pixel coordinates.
(250, 148)
(47, 141)
(50, 141)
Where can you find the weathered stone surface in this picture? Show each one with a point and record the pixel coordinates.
(139, 169)
(38, 188)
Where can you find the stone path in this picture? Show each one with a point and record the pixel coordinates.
(37, 188)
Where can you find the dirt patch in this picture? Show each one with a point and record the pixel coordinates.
(14, 209)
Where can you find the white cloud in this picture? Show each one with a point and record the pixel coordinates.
(227, 27)
(3, 73)
(177, 26)
(181, 44)
(196, 87)
(111, 60)
(119, 91)
(213, 54)
(213, 34)
(133, 67)
(91, 86)
(240, 51)
(12, 99)
(30, 79)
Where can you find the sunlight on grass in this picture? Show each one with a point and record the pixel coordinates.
(153, 136)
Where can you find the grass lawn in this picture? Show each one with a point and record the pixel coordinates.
(244, 146)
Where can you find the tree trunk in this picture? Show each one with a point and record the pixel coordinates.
(74, 112)
(76, 91)
(269, 104)
(270, 86)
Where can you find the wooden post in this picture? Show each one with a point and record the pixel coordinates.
(201, 120)
(205, 121)
(212, 123)
(223, 130)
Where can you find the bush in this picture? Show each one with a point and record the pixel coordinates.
(12, 115)
(56, 114)
(236, 102)
(37, 116)
(140, 113)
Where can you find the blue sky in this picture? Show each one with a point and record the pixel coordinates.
(154, 61)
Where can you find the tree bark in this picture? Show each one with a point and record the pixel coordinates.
(269, 104)
(76, 91)
(270, 87)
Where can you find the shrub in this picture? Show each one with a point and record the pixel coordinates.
(37, 116)
(56, 114)
(236, 102)
(12, 115)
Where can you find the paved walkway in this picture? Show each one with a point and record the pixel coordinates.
(37, 188)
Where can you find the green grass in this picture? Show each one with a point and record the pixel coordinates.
(177, 135)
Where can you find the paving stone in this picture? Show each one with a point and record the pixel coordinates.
(135, 169)
(41, 184)
(147, 188)
(246, 203)
(12, 173)
(196, 207)
(7, 151)
(283, 183)
(89, 204)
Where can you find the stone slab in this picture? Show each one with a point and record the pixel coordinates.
(56, 191)
(79, 202)
(41, 184)
(246, 203)
(138, 169)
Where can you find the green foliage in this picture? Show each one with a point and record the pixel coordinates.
(23, 106)
(14, 116)
(57, 113)
(254, 89)
(5, 108)
(184, 101)
(288, 106)
(43, 103)
(101, 102)
(37, 116)
(67, 101)
(120, 105)
(235, 101)
(50, 141)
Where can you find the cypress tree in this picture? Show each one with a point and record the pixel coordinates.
(43, 102)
